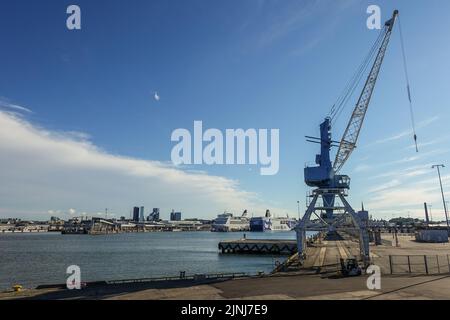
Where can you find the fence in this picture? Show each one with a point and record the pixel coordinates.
(183, 276)
(414, 264)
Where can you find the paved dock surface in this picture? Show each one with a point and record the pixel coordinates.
(304, 287)
(326, 254)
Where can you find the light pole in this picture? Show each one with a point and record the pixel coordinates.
(446, 203)
(298, 209)
(437, 166)
(431, 215)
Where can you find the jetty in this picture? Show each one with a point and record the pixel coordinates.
(259, 246)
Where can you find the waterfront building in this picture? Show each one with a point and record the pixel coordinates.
(154, 216)
(136, 214)
(141, 215)
(175, 216)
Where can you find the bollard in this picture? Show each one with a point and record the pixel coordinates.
(448, 262)
(426, 263)
(390, 264)
(438, 267)
(409, 264)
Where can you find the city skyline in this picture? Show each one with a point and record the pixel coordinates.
(86, 119)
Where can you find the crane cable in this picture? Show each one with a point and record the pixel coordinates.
(353, 82)
(349, 88)
(408, 87)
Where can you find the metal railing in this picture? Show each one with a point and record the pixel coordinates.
(419, 264)
(182, 276)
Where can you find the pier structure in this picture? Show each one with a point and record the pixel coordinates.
(259, 246)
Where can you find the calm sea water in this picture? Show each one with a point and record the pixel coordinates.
(32, 259)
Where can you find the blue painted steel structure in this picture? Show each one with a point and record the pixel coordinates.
(325, 178)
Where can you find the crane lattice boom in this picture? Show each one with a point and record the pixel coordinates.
(348, 141)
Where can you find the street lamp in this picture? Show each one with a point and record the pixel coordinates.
(298, 209)
(437, 166)
(447, 202)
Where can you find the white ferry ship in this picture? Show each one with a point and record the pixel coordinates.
(226, 222)
(269, 223)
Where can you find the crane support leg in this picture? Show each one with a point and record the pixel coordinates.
(362, 229)
(300, 229)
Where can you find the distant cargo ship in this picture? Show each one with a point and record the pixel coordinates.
(269, 223)
(226, 222)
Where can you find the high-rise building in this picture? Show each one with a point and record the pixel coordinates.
(156, 213)
(154, 216)
(136, 214)
(141, 215)
(175, 216)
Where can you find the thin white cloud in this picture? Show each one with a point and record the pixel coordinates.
(418, 172)
(421, 155)
(420, 145)
(13, 107)
(362, 168)
(307, 46)
(402, 199)
(388, 185)
(401, 163)
(275, 23)
(405, 171)
(405, 194)
(44, 170)
(286, 21)
(407, 133)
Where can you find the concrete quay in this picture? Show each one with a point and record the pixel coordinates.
(405, 256)
(286, 287)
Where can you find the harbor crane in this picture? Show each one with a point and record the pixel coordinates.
(326, 177)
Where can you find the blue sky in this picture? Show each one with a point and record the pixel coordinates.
(231, 64)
